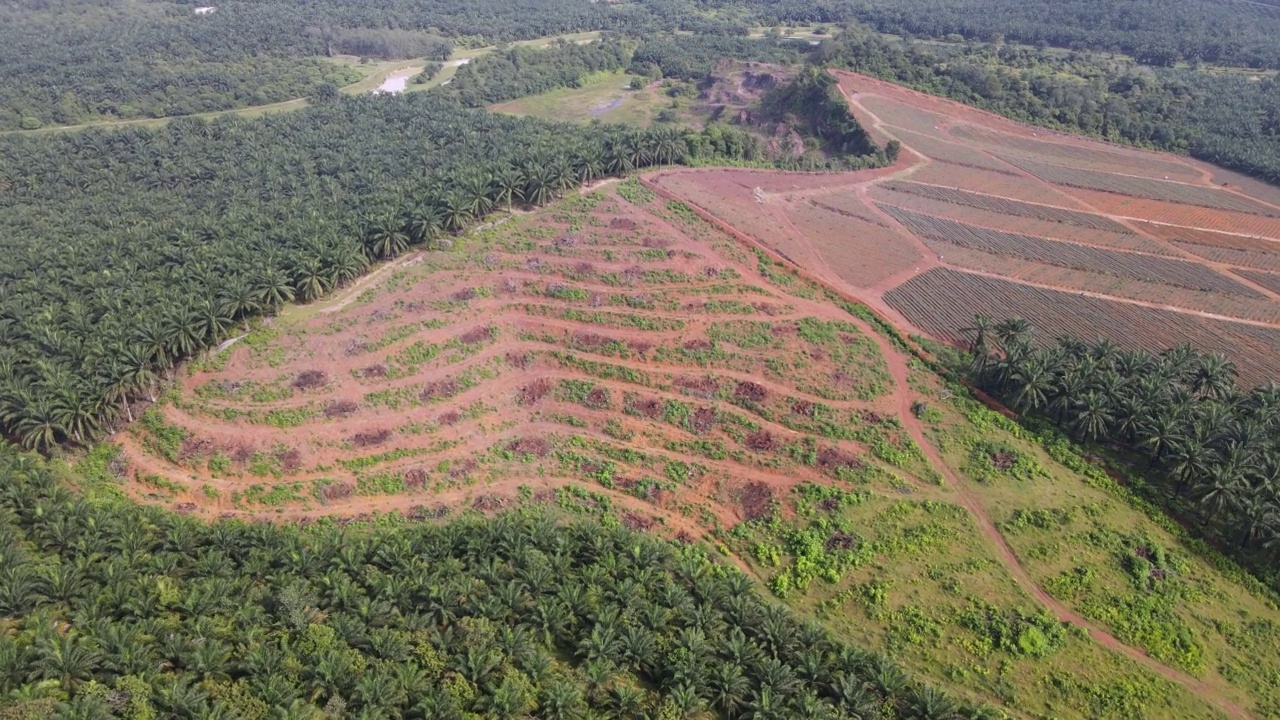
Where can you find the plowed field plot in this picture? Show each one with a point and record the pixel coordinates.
(1253, 252)
(1075, 152)
(1125, 265)
(1005, 206)
(906, 117)
(949, 152)
(1026, 188)
(1058, 277)
(1173, 213)
(858, 249)
(1127, 240)
(941, 303)
(1243, 184)
(1115, 229)
(1270, 281)
(1174, 192)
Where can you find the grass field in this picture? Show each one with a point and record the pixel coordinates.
(606, 97)
(616, 355)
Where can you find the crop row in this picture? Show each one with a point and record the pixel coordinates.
(942, 302)
(1143, 187)
(1078, 257)
(1005, 206)
(948, 152)
(1144, 164)
(1270, 281)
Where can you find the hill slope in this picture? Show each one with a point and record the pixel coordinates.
(616, 355)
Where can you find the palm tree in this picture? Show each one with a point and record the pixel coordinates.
(384, 237)
(38, 423)
(1161, 434)
(1257, 517)
(240, 300)
(64, 658)
(1213, 376)
(273, 288)
(425, 224)
(1092, 416)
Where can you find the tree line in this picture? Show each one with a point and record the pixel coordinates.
(115, 610)
(1211, 448)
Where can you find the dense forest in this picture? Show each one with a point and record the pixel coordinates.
(1232, 120)
(73, 61)
(1152, 31)
(114, 610)
(1212, 449)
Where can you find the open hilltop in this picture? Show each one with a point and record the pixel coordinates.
(616, 355)
(981, 214)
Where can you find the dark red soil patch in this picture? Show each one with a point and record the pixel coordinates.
(310, 379)
(750, 391)
(476, 336)
(194, 447)
(463, 295)
(832, 458)
(449, 418)
(337, 491)
(462, 469)
(1003, 460)
(841, 541)
(762, 441)
(371, 438)
(639, 347)
(756, 501)
(533, 392)
(592, 341)
(703, 419)
(375, 372)
(489, 503)
(535, 446)
(703, 387)
(597, 399)
(290, 460)
(415, 478)
(644, 407)
(436, 389)
(622, 224)
(632, 521)
(340, 408)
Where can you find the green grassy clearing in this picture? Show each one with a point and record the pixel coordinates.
(605, 97)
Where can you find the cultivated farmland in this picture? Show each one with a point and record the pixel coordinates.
(617, 356)
(984, 215)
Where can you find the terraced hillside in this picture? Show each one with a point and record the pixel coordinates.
(982, 214)
(618, 356)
